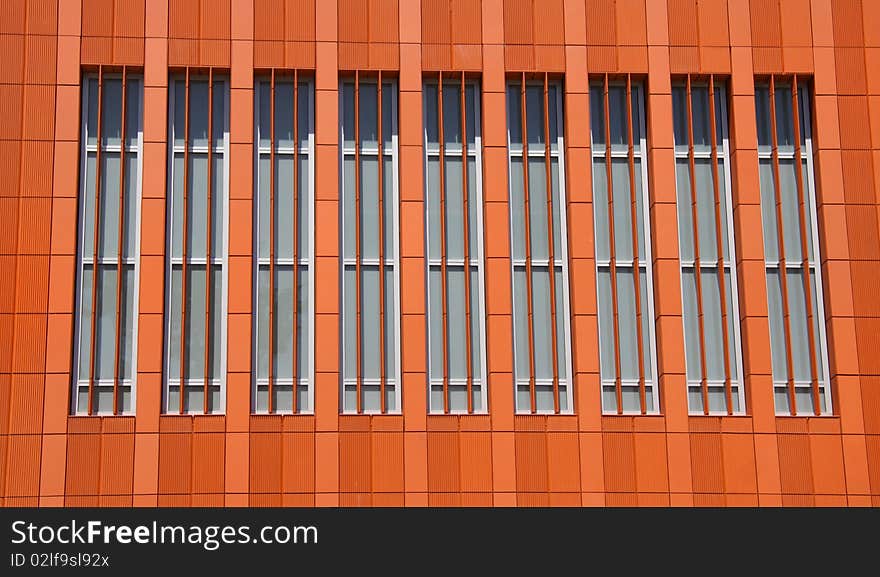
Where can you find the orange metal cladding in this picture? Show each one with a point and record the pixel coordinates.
(295, 230)
(802, 221)
(783, 280)
(208, 347)
(357, 233)
(634, 214)
(551, 261)
(272, 172)
(441, 137)
(720, 225)
(120, 238)
(611, 244)
(95, 260)
(381, 185)
(180, 390)
(528, 243)
(467, 259)
(704, 386)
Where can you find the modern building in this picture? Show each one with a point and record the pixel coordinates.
(439, 252)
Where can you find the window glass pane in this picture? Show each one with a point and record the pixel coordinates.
(722, 196)
(217, 206)
(712, 327)
(126, 322)
(388, 207)
(557, 204)
(198, 112)
(219, 122)
(679, 118)
(348, 199)
(471, 113)
(369, 207)
(784, 117)
(348, 114)
(636, 116)
(609, 399)
(626, 307)
(431, 109)
(695, 400)
(284, 114)
(521, 323)
(90, 91)
(456, 325)
(303, 325)
(435, 324)
(177, 206)
(691, 325)
(132, 110)
(706, 210)
(803, 398)
(85, 323)
(791, 226)
(476, 326)
(454, 210)
(535, 114)
(195, 322)
(452, 113)
(552, 99)
(474, 210)
(388, 117)
(111, 112)
(105, 324)
(544, 398)
(523, 398)
(600, 207)
(514, 114)
(304, 201)
(284, 206)
(768, 211)
(109, 234)
(701, 119)
(640, 208)
(809, 201)
(617, 113)
(132, 178)
(370, 337)
(720, 117)
(263, 329)
(304, 110)
(433, 198)
(538, 209)
(800, 339)
(817, 318)
(780, 396)
(283, 322)
(622, 209)
(369, 115)
(606, 329)
(457, 398)
(542, 324)
(174, 318)
(597, 115)
(685, 210)
(631, 399)
(88, 208)
(197, 209)
(216, 320)
(777, 335)
(561, 341)
(349, 319)
(390, 328)
(264, 213)
(762, 112)
(647, 322)
(517, 208)
(717, 399)
(264, 129)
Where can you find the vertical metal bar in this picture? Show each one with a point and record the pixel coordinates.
(527, 213)
(119, 340)
(443, 264)
(357, 233)
(695, 218)
(381, 203)
(97, 238)
(295, 228)
(209, 232)
(612, 269)
(467, 258)
(634, 214)
(720, 224)
(272, 184)
(783, 280)
(551, 259)
(182, 408)
(802, 220)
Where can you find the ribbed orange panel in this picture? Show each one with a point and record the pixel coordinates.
(435, 21)
(847, 18)
(468, 18)
(175, 456)
(868, 341)
(129, 18)
(563, 463)
(83, 458)
(766, 29)
(354, 462)
(858, 177)
(870, 404)
(873, 446)
(13, 63)
(383, 21)
(707, 473)
(42, 16)
(861, 226)
(298, 473)
(208, 458)
(850, 71)
(387, 462)
(12, 17)
(30, 347)
(40, 66)
(183, 19)
(475, 454)
(23, 475)
(215, 23)
(549, 26)
(738, 454)
(39, 111)
(794, 463)
(518, 22)
(601, 22)
(631, 23)
(713, 23)
(531, 462)
(267, 24)
(353, 18)
(619, 460)
(117, 458)
(300, 20)
(265, 466)
(443, 462)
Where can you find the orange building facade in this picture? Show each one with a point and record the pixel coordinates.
(673, 435)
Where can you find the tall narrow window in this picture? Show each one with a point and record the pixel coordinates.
(283, 227)
(705, 230)
(109, 250)
(623, 259)
(455, 256)
(370, 297)
(198, 144)
(538, 238)
(791, 248)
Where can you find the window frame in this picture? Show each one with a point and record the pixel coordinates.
(475, 199)
(561, 253)
(134, 259)
(640, 152)
(172, 148)
(730, 265)
(308, 380)
(394, 154)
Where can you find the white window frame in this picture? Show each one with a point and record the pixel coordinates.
(640, 153)
(135, 259)
(344, 151)
(454, 151)
(171, 261)
(260, 151)
(766, 153)
(729, 260)
(560, 256)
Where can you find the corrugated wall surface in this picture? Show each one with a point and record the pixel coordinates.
(49, 458)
